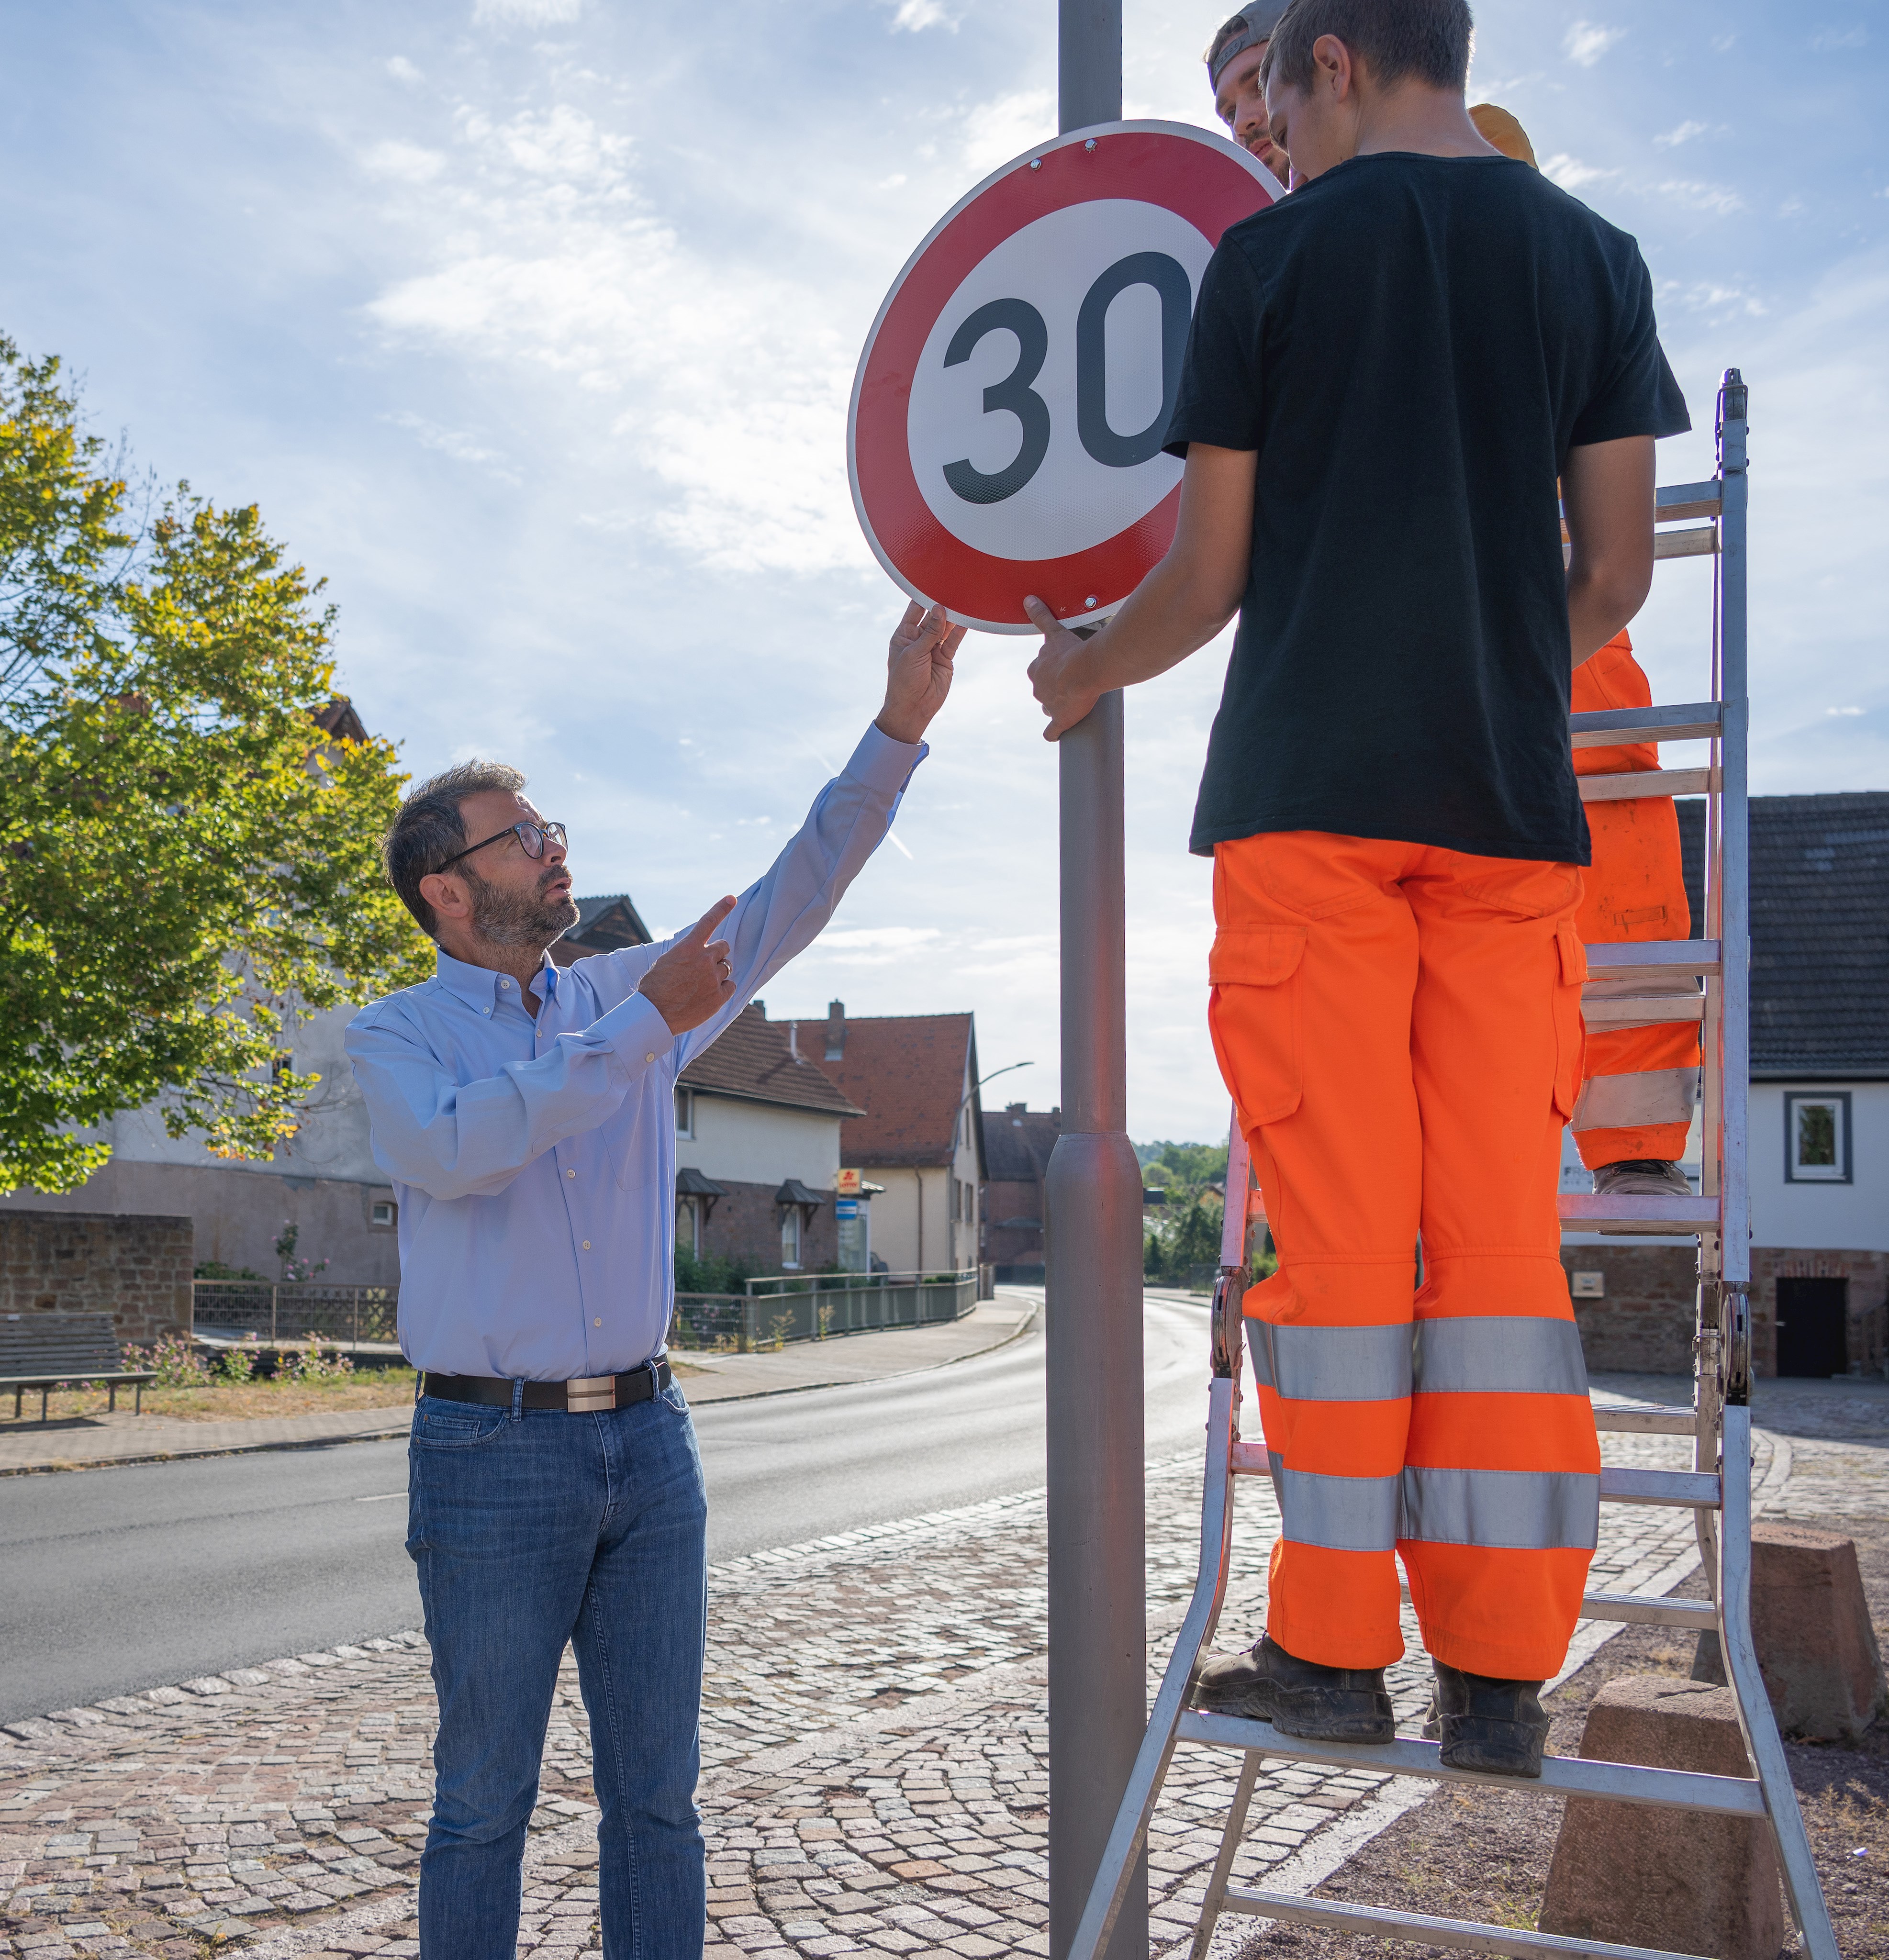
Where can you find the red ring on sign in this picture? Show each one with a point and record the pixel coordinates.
(1198, 176)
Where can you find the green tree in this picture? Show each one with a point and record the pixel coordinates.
(188, 863)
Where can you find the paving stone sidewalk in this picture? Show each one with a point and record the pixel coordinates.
(874, 1765)
(93, 1442)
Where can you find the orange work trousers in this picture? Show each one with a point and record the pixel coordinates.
(1642, 1080)
(1400, 1029)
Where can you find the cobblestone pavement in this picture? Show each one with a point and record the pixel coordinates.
(874, 1764)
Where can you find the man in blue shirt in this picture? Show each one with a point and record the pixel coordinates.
(526, 1114)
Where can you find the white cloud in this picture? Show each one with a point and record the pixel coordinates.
(1585, 42)
(915, 16)
(526, 13)
(403, 70)
(1843, 711)
(1571, 173)
(406, 162)
(1697, 196)
(1833, 40)
(996, 131)
(1684, 134)
(457, 444)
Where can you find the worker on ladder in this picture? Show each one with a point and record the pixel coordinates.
(1641, 1084)
(1386, 375)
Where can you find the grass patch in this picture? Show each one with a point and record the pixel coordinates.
(228, 1401)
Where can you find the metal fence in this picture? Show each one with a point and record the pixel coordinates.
(775, 1310)
(282, 1315)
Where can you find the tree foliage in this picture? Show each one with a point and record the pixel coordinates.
(188, 863)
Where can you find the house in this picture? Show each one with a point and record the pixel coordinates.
(604, 924)
(1017, 1147)
(1818, 1150)
(920, 1131)
(758, 1149)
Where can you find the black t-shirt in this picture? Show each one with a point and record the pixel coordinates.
(1412, 345)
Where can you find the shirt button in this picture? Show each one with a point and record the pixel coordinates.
(503, 985)
(586, 1245)
(570, 1173)
(650, 1057)
(597, 1323)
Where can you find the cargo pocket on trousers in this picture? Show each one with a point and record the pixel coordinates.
(1570, 1024)
(1255, 1015)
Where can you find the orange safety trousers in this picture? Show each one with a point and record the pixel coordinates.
(1642, 1082)
(1400, 1029)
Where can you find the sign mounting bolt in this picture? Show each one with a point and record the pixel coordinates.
(1090, 145)
(1036, 162)
(1090, 600)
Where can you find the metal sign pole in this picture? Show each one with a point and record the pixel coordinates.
(1098, 1635)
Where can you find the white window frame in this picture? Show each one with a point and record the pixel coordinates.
(790, 1234)
(377, 1205)
(685, 1114)
(688, 1226)
(1842, 1171)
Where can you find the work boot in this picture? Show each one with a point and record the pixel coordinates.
(1487, 1724)
(1641, 1177)
(1298, 1697)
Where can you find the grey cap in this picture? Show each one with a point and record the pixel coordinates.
(1253, 23)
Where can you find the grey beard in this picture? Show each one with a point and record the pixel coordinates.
(502, 917)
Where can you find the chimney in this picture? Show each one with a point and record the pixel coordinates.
(836, 1030)
(793, 1039)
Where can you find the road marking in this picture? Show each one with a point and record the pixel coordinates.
(385, 1497)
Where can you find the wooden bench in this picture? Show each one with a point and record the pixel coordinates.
(50, 1351)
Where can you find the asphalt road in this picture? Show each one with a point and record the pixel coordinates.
(122, 1579)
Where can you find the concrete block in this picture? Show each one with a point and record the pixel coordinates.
(1810, 1622)
(1673, 1878)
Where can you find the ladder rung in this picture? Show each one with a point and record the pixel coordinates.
(1693, 1489)
(1609, 727)
(1629, 784)
(1638, 1214)
(1467, 1936)
(1678, 500)
(1561, 1776)
(1249, 1459)
(1643, 1010)
(1631, 1607)
(1647, 1422)
(1699, 541)
(1626, 959)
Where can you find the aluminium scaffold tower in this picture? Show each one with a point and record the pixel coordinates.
(1718, 1489)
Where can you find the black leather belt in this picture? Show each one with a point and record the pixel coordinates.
(595, 1392)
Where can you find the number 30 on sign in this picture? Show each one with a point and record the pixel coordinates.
(1008, 416)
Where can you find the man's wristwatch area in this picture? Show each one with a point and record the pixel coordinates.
(594, 1391)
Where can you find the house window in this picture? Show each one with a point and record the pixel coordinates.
(688, 1226)
(790, 1235)
(1817, 1137)
(685, 1112)
(384, 1214)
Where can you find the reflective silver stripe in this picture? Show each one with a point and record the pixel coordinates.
(1527, 1510)
(1332, 1364)
(1626, 1102)
(1500, 1355)
(1341, 1513)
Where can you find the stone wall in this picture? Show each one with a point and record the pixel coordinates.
(746, 1225)
(1642, 1321)
(135, 1267)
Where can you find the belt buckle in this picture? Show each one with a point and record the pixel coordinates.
(591, 1391)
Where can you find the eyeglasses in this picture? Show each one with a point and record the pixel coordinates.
(532, 837)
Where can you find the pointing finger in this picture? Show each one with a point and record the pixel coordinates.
(699, 933)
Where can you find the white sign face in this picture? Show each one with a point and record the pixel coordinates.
(1008, 416)
(1110, 285)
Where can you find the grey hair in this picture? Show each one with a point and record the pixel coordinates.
(427, 830)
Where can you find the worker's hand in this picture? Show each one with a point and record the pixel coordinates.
(1060, 673)
(918, 671)
(695, 977)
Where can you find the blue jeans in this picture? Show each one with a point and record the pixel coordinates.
(529, 1527)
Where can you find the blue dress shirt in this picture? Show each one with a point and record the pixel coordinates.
(534, 1159)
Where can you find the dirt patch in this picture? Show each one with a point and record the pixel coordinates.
(1478, 1854)
(226, 1402)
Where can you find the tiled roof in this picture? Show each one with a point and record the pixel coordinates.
(605, 923)
(907, 1073)
(1820, 931)
(337, 717)
(753, 1057)
(1018, 1143)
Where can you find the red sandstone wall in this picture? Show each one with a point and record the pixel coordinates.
(134, 1266)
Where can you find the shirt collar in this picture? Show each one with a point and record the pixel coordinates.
(478, 986)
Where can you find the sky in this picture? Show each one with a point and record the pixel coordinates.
(530, 325)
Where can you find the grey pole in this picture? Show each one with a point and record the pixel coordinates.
(1098, 1633)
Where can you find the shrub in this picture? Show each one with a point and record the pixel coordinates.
(311, 1362)
(238, 1364)
(174, 1360)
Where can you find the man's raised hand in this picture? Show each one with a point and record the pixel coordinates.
(695, 977)
(918, 671)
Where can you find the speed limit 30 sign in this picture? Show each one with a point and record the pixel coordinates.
(1007, 417)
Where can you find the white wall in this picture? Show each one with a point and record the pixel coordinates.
(947, 1243)
(1814, 1218)
(761, 1143)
